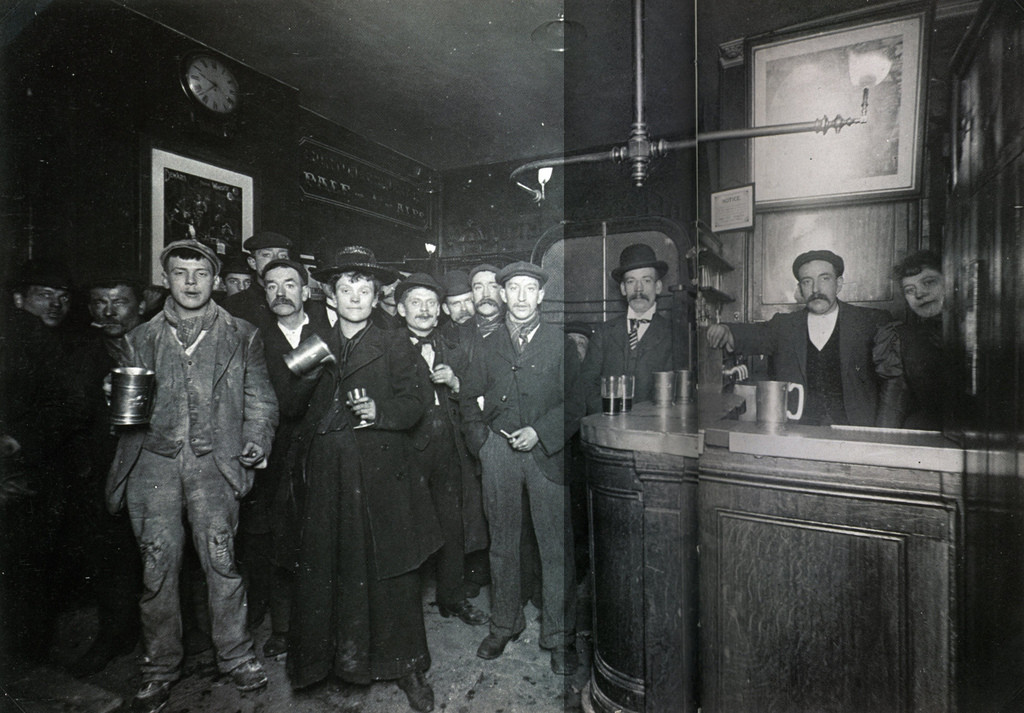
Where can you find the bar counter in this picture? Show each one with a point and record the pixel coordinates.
(642, 502)
(829, 568)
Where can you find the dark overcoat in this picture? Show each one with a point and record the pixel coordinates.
(784, 338)
(474, 523)
(398, 506)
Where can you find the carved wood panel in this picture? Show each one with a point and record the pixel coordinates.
(823, 596)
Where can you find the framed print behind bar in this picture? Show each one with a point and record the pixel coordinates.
(194, 199)
(879, 66)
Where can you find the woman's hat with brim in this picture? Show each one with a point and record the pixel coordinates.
(356, 258)
(637, 256)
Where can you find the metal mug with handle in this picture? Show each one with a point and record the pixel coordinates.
(773, 402)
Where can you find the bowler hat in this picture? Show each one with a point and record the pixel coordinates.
(191, 245)
(236, 264)
(266, 239)
(283, 262)
(419, 279)
(521, 268)
(826, 255)
(455, 282)
(355, 258)
(43, 273)
(636, 256)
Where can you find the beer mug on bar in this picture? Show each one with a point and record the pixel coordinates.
(663, 387)
(773, 402)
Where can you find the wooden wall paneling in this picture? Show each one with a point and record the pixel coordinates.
(870, 238)
(824, 598)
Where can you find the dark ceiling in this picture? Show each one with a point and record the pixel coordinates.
(456, 83)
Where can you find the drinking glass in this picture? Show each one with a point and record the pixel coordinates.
(356, 396)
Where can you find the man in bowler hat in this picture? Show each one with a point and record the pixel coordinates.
(636, 343)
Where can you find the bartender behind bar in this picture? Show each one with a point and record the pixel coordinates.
(826, 347)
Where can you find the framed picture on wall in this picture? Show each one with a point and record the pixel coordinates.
(190, 198)
(871, 72)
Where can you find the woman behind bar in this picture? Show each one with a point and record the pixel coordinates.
(908, 355)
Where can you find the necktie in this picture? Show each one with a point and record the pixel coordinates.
(634, 332)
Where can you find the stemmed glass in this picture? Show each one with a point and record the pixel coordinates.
(358, 396)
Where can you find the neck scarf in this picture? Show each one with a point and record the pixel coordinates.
(189, 328)
(487, 325)
(520, 330)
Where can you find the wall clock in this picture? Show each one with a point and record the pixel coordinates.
(210, 83)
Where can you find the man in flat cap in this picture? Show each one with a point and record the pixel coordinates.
(266, 530)
(212, 421)
(368, 523)
(826, 346)
(522, 372)
(440, 448)
(638, 342)
(251, 303)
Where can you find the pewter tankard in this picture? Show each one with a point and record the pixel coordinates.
(773, 402)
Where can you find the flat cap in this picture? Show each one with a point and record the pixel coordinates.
(826, 255)
(455, 282)
(266, 239)
(191, 245)
(485, 267)
(293, 264)
(419, 279)
(521, 267)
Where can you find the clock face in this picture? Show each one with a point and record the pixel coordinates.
(212, 84)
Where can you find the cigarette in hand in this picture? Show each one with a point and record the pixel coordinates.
(506, 434)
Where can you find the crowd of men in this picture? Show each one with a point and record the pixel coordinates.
(436, 429)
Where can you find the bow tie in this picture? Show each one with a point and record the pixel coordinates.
(420, 341)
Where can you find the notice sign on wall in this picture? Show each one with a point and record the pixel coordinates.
(339, 178)
(732, 209)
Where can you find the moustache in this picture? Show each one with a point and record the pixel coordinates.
(817, 296)
(489, 301)
(283, 301)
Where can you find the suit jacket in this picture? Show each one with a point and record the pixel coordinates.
(243, 401)
(450, 352)
(784, 339)
(608, 354)
(397, 500)
(536, 388)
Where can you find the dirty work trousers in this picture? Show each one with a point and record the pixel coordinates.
(159, 491)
